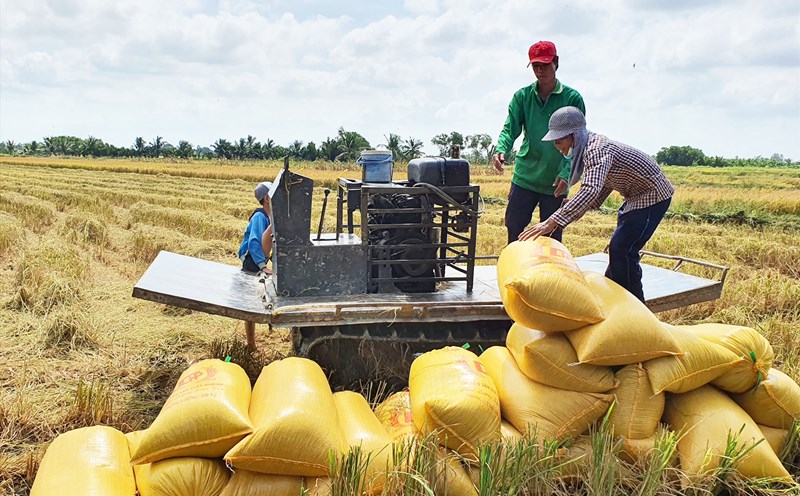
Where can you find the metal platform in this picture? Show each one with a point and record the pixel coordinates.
(225, 290)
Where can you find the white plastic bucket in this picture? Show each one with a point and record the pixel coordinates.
(376, 166)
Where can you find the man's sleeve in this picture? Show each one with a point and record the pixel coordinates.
(260, 224)
(592, 192)
(579, 103)
(513, 126)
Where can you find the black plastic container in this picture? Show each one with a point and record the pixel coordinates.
(439, 171)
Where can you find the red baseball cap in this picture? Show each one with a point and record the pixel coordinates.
(542, 51)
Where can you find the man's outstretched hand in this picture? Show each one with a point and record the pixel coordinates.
(537, 230)
(561, 186)
(498, 160)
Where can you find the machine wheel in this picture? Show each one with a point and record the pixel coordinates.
(354, 355)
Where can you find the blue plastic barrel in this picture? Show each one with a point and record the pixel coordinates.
(376, 166)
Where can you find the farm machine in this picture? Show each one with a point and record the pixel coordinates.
(399, 275)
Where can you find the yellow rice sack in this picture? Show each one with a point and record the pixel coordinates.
(629, 334)
(538, 409)
(542, 287)
(295, 419)
(452, 395)
(636, 450)
(91, 461)
(548, 358)
(637, 411)
(575, 459)
(178, 476)
(215, 396)
(706, 416)
(452, 478)
(247, 483)
(702, 362)
(774, 403)
(395, 415)
(362, 429)
(775, 437)
(745, 342)
(509, 433)
(195, 476)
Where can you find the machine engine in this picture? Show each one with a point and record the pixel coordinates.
(409, 236)
(410, 250)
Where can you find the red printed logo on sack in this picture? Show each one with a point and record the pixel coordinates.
(204, 373)
(473, 366)
(401, 418)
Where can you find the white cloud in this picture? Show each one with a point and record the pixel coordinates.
(708, 74)
(422, 6)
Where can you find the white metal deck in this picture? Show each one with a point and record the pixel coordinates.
(225, 290)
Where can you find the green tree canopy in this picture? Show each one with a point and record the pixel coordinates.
(680, 155)
(445, 142)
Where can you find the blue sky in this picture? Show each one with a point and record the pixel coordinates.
(720, 76)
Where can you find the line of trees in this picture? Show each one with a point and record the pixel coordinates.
(346, 146)
(687, 155)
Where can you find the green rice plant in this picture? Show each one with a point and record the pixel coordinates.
(10, 232)
(416, 467)
(71, 327)
(47, 276)
(349, 472)
(92, 404)
(723, 479)
(86, 229)
(790, 452)
(525, 467)
(603, 468)
(657, 473)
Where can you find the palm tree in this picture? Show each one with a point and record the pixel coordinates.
(185, 149)
(250, 146)
(268, 149)
(412, 148)
(351, 144)
(393, 143)
(329, 149)
(32, 147)
(296, 149)
(92, 146)
(240, 149)
(310, 151)
(222, 148)
(10, 146)
(139, 146)
(156, 145)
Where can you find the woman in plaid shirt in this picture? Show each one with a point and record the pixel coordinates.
(609, 166)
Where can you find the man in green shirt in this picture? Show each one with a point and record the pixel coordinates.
(540, 171)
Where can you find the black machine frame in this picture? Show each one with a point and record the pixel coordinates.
(451, 212)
